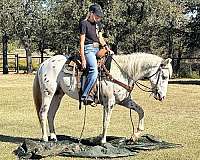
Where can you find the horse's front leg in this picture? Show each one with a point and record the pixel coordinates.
(107, 111)
(140, 128)
(129, 103)
(108, 100)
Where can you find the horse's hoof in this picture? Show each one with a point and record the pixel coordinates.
(93, 104)
(131, 141)
(102, 142)
(45, 139)
(53, 140)
(53, 137)
(134, 137)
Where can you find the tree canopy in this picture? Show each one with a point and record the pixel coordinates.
(164, 27)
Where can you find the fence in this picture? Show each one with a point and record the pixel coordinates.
(12, 65)
(17, 63)
(186, 67)
(182, 67)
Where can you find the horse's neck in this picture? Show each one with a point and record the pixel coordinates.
(135, 67)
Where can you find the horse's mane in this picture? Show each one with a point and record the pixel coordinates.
(136, 64)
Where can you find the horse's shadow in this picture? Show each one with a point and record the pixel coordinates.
(15, 140)
(20, 140)
(91, 141)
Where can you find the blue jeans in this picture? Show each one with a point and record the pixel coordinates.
(90, 55)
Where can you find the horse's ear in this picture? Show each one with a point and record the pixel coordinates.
(166, 61)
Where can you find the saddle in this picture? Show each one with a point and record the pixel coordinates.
(73, 66)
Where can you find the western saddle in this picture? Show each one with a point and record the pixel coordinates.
(104, 59)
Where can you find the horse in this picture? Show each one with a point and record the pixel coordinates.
(52, 82)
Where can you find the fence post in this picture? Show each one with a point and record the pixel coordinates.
(199, 73)
(17, 63)
(5, 53)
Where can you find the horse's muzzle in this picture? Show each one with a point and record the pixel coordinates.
(157, 96)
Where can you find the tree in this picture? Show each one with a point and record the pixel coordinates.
(193, 28)
(41, 33)
(6, 28)
(24, 26)
(156, 26)
(63, 26)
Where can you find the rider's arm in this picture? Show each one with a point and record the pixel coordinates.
(82, 41)
(101, 39)
(103, 42)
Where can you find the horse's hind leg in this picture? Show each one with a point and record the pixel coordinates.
(55, 103)
(47, 96)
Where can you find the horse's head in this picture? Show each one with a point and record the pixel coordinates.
(159, 80)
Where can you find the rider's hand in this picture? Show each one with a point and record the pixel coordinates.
(109, 50)
(83, 63)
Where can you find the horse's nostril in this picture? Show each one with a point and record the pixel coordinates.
(161, 98)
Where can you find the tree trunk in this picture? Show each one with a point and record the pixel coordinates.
(42, 55)
(178, 64)
(28, 61)
(27, 47)
(41, 49)
(170, 42)
(5, 53)
(170, 47)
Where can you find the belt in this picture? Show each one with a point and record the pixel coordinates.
(94, 44)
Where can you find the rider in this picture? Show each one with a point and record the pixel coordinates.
(90, 39)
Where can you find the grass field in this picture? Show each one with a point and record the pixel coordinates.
(176, 120)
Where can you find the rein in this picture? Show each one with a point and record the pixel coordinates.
(127, 87)
(138, 84)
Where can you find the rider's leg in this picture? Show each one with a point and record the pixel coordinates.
(90, 55)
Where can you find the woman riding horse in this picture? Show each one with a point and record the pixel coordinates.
(90, 39)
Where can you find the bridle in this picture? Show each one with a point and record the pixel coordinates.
(155, 88)
(138, 84)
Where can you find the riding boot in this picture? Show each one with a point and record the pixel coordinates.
(91, 98)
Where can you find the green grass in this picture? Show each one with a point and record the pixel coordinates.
(176, 120)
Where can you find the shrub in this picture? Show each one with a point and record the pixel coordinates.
(185, 71)
(22, 64)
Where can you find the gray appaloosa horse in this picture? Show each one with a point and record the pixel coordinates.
(52, 82)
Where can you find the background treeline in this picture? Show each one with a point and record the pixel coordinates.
(169, 28)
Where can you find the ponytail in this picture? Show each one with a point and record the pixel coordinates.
(88, 15)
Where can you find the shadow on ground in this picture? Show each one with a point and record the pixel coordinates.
(16, 140)
(69, 146)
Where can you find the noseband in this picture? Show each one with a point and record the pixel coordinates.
(155, 88)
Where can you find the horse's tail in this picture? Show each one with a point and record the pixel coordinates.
(37, 94)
